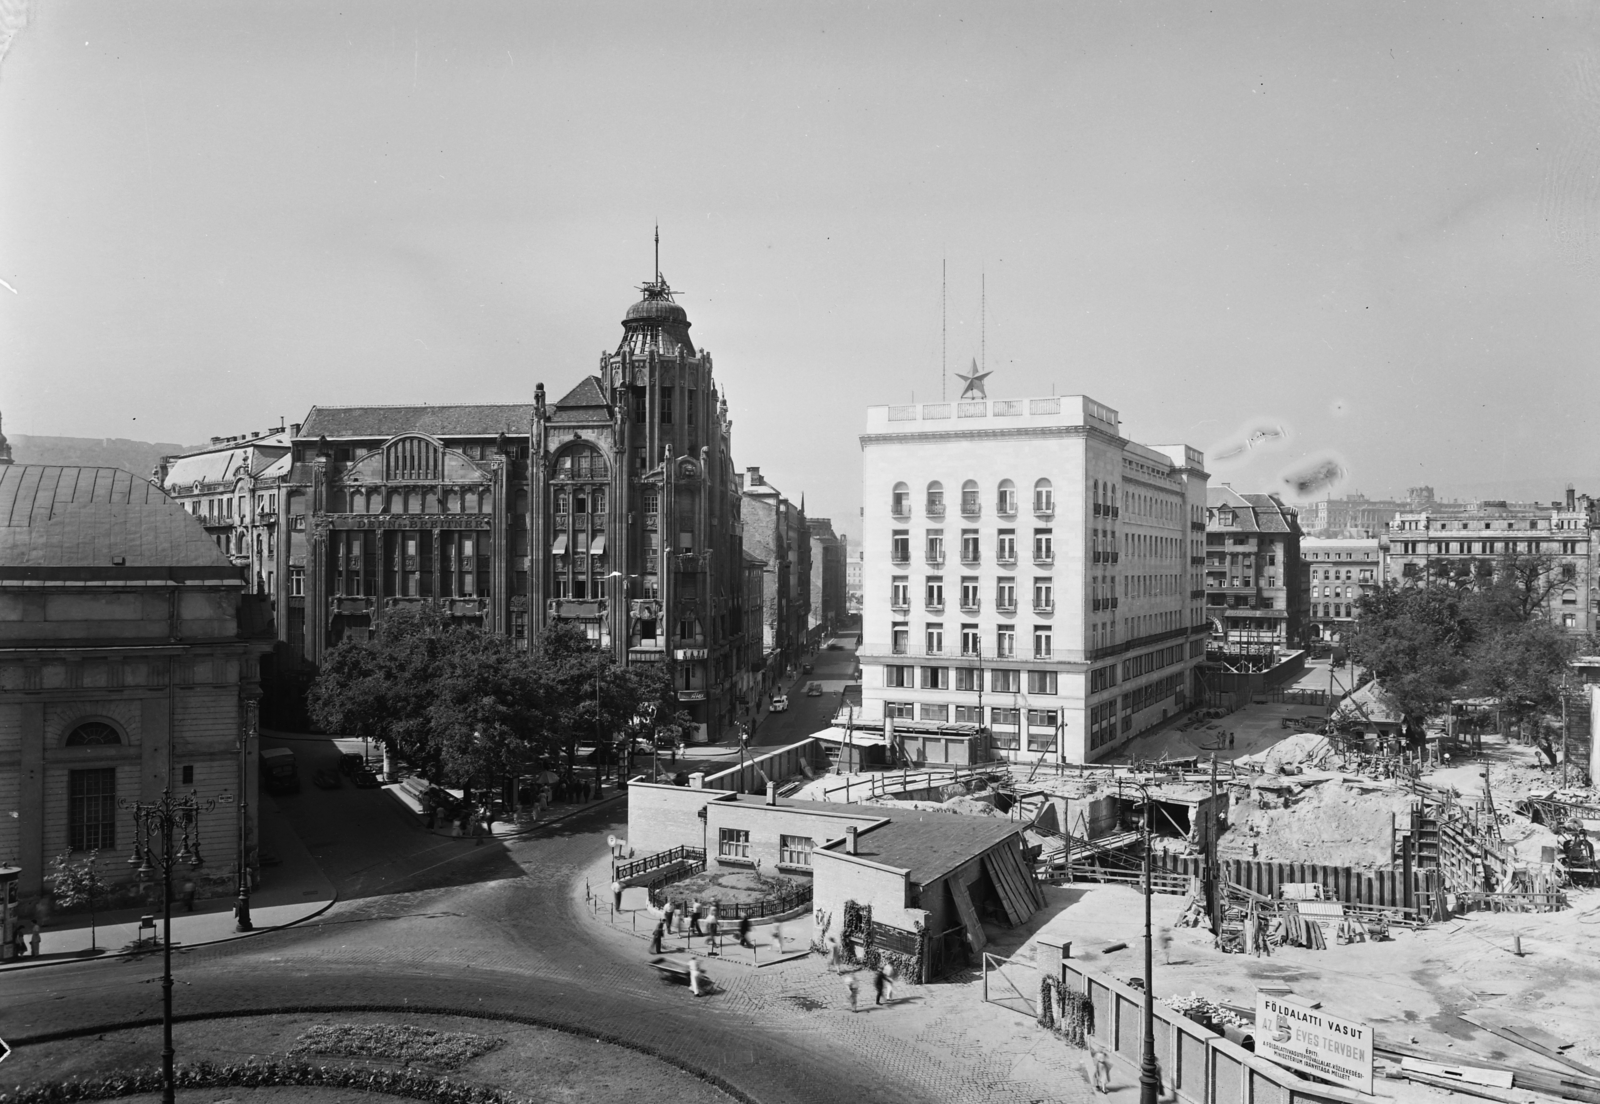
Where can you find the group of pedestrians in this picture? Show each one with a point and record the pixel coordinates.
(882, 985)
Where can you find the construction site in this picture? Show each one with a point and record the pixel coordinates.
(1440, 889)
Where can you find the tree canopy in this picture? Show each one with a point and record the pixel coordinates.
(1477, 630)
(468, 705)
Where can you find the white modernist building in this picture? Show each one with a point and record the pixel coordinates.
(1028, 570)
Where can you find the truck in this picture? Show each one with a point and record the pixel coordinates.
(278, 773)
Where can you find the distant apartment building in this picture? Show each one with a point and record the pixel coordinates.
(1028, 573)
(776, 532)
(1351, 515)
(828, 553)
(1335, 573)
(1475, 541)
(232, 486)
(1252, 573)
(852, 581)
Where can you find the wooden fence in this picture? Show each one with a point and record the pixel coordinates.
(1340, 883)
(880, 784)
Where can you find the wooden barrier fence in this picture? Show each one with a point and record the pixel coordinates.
(1340, 883)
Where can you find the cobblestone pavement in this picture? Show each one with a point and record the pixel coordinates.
(505, 930)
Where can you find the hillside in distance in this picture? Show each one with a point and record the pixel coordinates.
(138, 457)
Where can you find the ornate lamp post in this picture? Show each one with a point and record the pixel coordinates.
(156, 825)
(1149, 1078)
(241, 907)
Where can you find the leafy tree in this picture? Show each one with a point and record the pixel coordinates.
(78, 883)
(1521, 665)
(1413, 639)
(486, 720)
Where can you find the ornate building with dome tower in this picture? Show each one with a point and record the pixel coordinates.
(615, 508)
(638, 534)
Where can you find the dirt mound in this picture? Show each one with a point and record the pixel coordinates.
(1303, 749)
(1328, 823)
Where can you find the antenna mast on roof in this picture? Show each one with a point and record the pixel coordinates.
(944, 328)
(658, 252)
(983, 320)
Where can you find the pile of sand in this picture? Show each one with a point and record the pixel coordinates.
(1303, 749)
(961, 806)
(1328, 823)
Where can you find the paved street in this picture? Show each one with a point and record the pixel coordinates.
(502, 928)
(808, 715)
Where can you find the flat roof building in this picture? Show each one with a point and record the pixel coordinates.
(1029, 571)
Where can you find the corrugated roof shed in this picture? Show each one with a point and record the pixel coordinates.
(83, 517)
(478, 420)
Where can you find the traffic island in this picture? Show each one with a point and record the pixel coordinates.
(387, 1054)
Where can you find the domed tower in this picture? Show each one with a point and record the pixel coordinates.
(669, 585)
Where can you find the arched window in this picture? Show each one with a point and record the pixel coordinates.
(969, 498)
(1006, 500)
(93, 734)
(900, 501)
(1044, 497)
(936, 499)
(412, 459)
(1569, 597)
(581, 462)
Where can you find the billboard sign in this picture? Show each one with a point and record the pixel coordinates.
(1311, 1040)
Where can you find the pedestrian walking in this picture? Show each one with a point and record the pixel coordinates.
(777, 937)
(666, 914)
(1098, 1065)
(744, 933)
(852, 989)
(697, 977)
(694, 919)
(877, 985)
(711, 928)
(655, 938)
(616, 895)
(19, 946)
(33, 938)
(888, 982)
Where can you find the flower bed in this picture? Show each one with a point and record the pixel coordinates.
(207, 1075)
(394, 1043)
(736, 893)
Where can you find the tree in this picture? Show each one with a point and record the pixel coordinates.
(1521, 665)
(487, 719)
(78, 883)
(1414, 640)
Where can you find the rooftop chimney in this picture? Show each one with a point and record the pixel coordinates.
(772, 793)
(753, 477)
(850, 840)
(1572, 497)
(294, 429)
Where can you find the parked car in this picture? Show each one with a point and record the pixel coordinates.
(278, 773)
(327, 779)
(350, 762)
(780, 703)
(805, 668)
(365, 779)
(835, 646)
(813, 689)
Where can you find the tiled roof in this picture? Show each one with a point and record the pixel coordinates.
(585, 403)
(930, 845)
(1252, 513)
(481, 420)
(83, 517)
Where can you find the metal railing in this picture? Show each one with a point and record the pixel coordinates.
(660, 859)
(786, 901)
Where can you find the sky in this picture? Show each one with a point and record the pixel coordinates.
(1282, 233)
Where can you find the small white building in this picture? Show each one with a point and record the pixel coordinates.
(1029, 570)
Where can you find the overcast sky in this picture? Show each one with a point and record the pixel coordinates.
(1374, 226)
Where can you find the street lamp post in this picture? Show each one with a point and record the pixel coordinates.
(162, 820)
(241, 908)
(1149, 1078)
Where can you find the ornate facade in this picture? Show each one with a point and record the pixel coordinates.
(614, 507)
(638, 534)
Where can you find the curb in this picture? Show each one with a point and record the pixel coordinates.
(705, 1075)
(234, 938)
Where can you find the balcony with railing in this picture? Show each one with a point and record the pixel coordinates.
(1006, 605)
(1044, 556)
(933, 650)
(1006, 555)
(970, 506)
(971, 605)
(933, 606)
(902, 604)
(971, 557)
(900, 555)
(935, 510)
(901, 511)
(1043, 605)
(935, 558)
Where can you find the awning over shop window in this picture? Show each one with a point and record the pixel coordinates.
(598, 547)
(560, 546)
